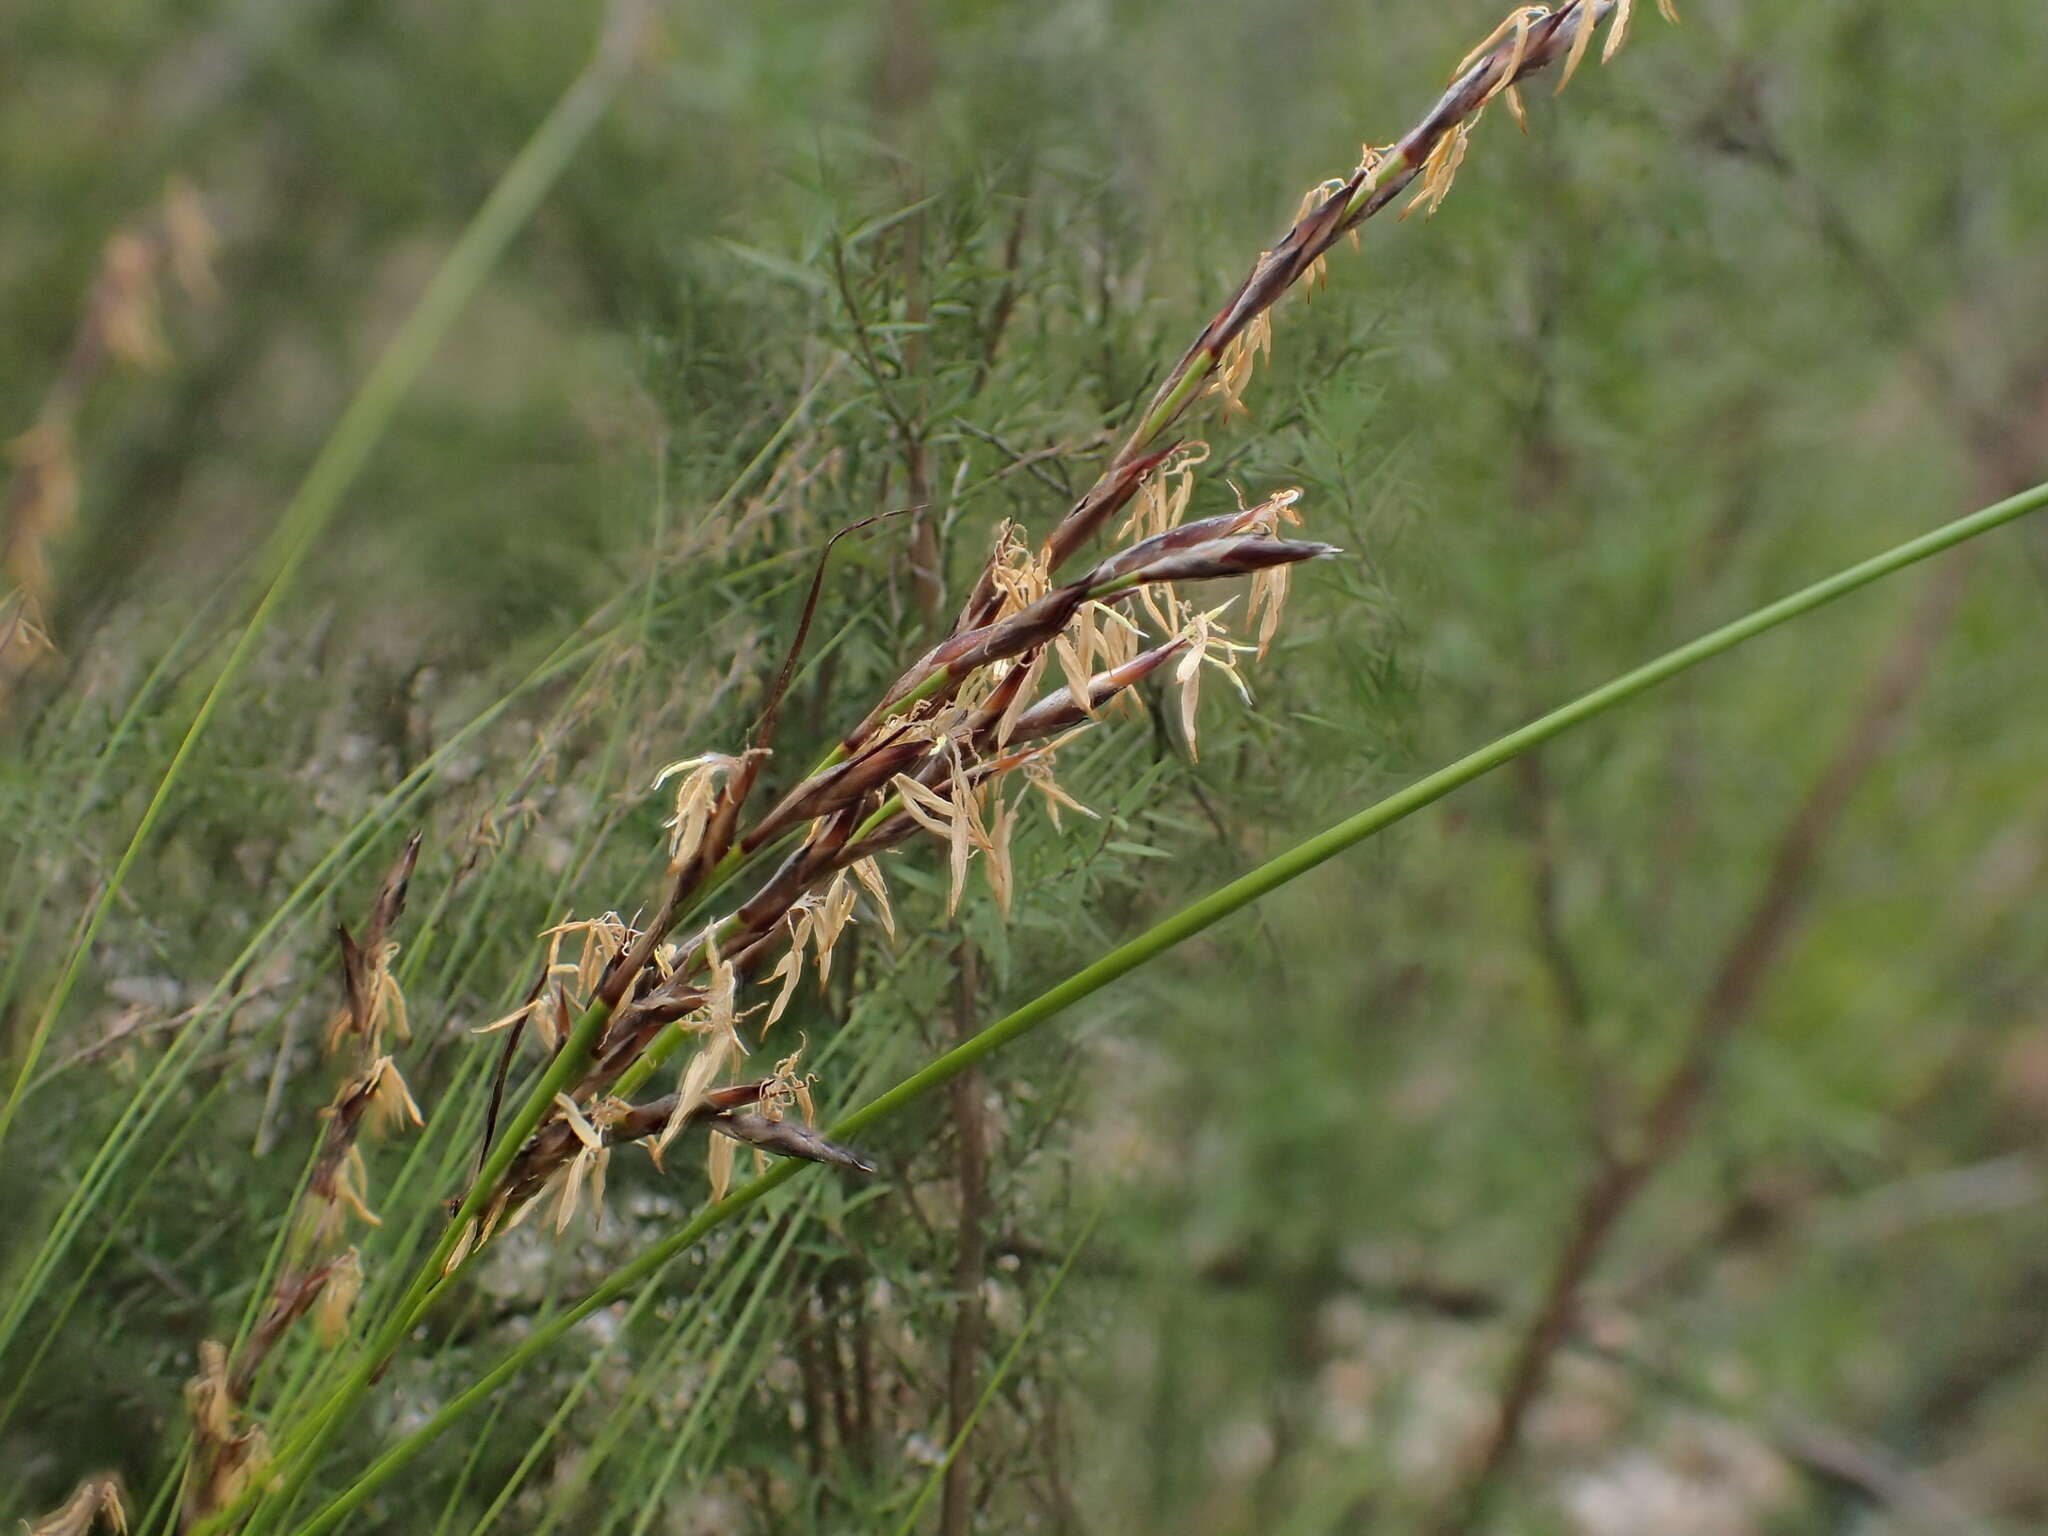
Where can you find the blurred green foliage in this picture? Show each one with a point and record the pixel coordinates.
(1754, 301)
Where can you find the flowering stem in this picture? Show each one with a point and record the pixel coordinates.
(1184, 925)
(300, 1450)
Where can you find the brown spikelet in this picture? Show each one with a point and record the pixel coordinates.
(785, 1137)
(226, 1457)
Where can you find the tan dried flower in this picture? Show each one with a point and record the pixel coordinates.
(589, 1164)
(1001, 880)
(42, 500)
(1075, 666)
(125, 302)
(1038, 773)
(718, 1167)
(1517, 24)
(21, 639)
(696, 799)
(1318, 273)
(531, 1009)
(1269, 586)
(382, 1001)
(207, 1397)
(943, 818)
(338, 1297)
(1441, 168)
(698, 1074)
(787, 1086)
(1208, 642)
(95, 1498)
(721, 993)
(1617, 27)
(1018, 571)
(352, 1184)
(190, 238)
(1234, 367)
(869, 873)
(1159, 508)
(833, 914)
(391, 1102)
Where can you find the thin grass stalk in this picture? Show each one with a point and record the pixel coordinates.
(1186, 924)
(162, 1514)
(621, 1416)
(116, 1228)
(458, 1486)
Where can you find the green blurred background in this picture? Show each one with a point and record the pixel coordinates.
(1753, 302)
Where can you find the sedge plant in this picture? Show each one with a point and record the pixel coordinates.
(937, 753)
(756, 886)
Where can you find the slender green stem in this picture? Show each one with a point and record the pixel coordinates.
(1200, 366)
(1184, 925)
